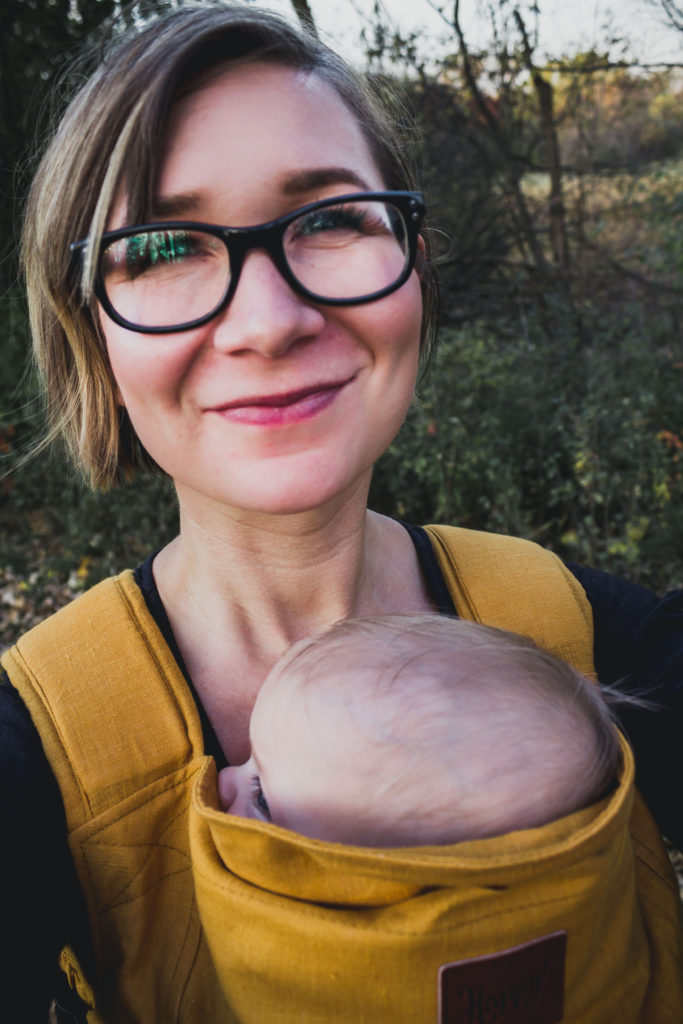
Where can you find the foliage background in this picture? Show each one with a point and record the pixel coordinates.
(555, 407)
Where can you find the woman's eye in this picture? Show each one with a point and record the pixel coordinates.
(335, 218)
(259, 800)
(158, 249)
(155, 252)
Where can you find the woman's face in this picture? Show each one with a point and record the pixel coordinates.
(278, 404)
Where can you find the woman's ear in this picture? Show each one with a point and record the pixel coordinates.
(421, 257)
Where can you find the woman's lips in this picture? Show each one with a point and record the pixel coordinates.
(279, 410)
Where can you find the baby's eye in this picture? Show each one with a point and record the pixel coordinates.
(258, 799)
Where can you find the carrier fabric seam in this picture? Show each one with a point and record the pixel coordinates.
(170, 689)
(53, 720)
(194, 912)
(92, 841)
(187, 772)
(585, 607)
(647, 862)
(312, 911)
(450, 558)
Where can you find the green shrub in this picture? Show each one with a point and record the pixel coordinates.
(576, 446)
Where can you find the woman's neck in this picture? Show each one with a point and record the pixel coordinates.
(239, 590)
(287, 573)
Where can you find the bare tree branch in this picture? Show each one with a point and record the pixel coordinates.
(674, 13)
(523, 217)
(305, 16)
(609, 65)
(544, 94)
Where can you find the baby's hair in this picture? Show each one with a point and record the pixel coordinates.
(431, 671)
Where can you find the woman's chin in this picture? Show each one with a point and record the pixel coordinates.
(279, 493)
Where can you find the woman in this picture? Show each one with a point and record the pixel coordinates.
(265, 371)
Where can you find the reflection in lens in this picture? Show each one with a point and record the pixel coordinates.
(349, 250)
(165, 278)
(173, 276)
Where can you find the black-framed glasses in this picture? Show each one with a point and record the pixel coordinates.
(173, 275)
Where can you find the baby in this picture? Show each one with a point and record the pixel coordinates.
(421, 730)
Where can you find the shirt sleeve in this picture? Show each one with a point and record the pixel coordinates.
(639, 649)
(42, 904)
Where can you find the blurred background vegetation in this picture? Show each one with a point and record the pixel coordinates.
(554, 409)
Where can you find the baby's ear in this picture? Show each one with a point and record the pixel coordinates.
(227, 790)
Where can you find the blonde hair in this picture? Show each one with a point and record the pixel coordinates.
(108, 143)
(435, 676)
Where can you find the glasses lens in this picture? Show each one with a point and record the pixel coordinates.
(349, 250)
(171, 277)
(165, 278)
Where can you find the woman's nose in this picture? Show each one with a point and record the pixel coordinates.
(265, 314)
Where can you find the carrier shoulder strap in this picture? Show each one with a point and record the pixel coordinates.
(99, 680)
(516, 585)
(115, 714)
(98, 677)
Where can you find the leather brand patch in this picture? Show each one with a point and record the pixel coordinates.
(521, 985)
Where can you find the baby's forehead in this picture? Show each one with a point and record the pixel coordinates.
(320, 684)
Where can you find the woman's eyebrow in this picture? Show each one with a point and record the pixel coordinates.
(169, 207)
(319, 177)
(184, 203)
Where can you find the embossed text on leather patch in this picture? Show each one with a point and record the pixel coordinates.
(521, 985)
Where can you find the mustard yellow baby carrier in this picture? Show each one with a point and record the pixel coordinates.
(203, 919)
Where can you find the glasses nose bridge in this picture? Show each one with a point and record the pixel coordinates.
(241, 241)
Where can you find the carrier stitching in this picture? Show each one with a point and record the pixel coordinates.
(169, 687)
(574, 586)
(666, 878)
(124, 813)
(143, 892)
(450, 558)
(42, 696)
(116, 899)
(372, 871)
(188, 974)
(315, 912)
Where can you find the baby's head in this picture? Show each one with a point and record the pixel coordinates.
(421, 730)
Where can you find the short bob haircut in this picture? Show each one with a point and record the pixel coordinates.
(107, 145)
